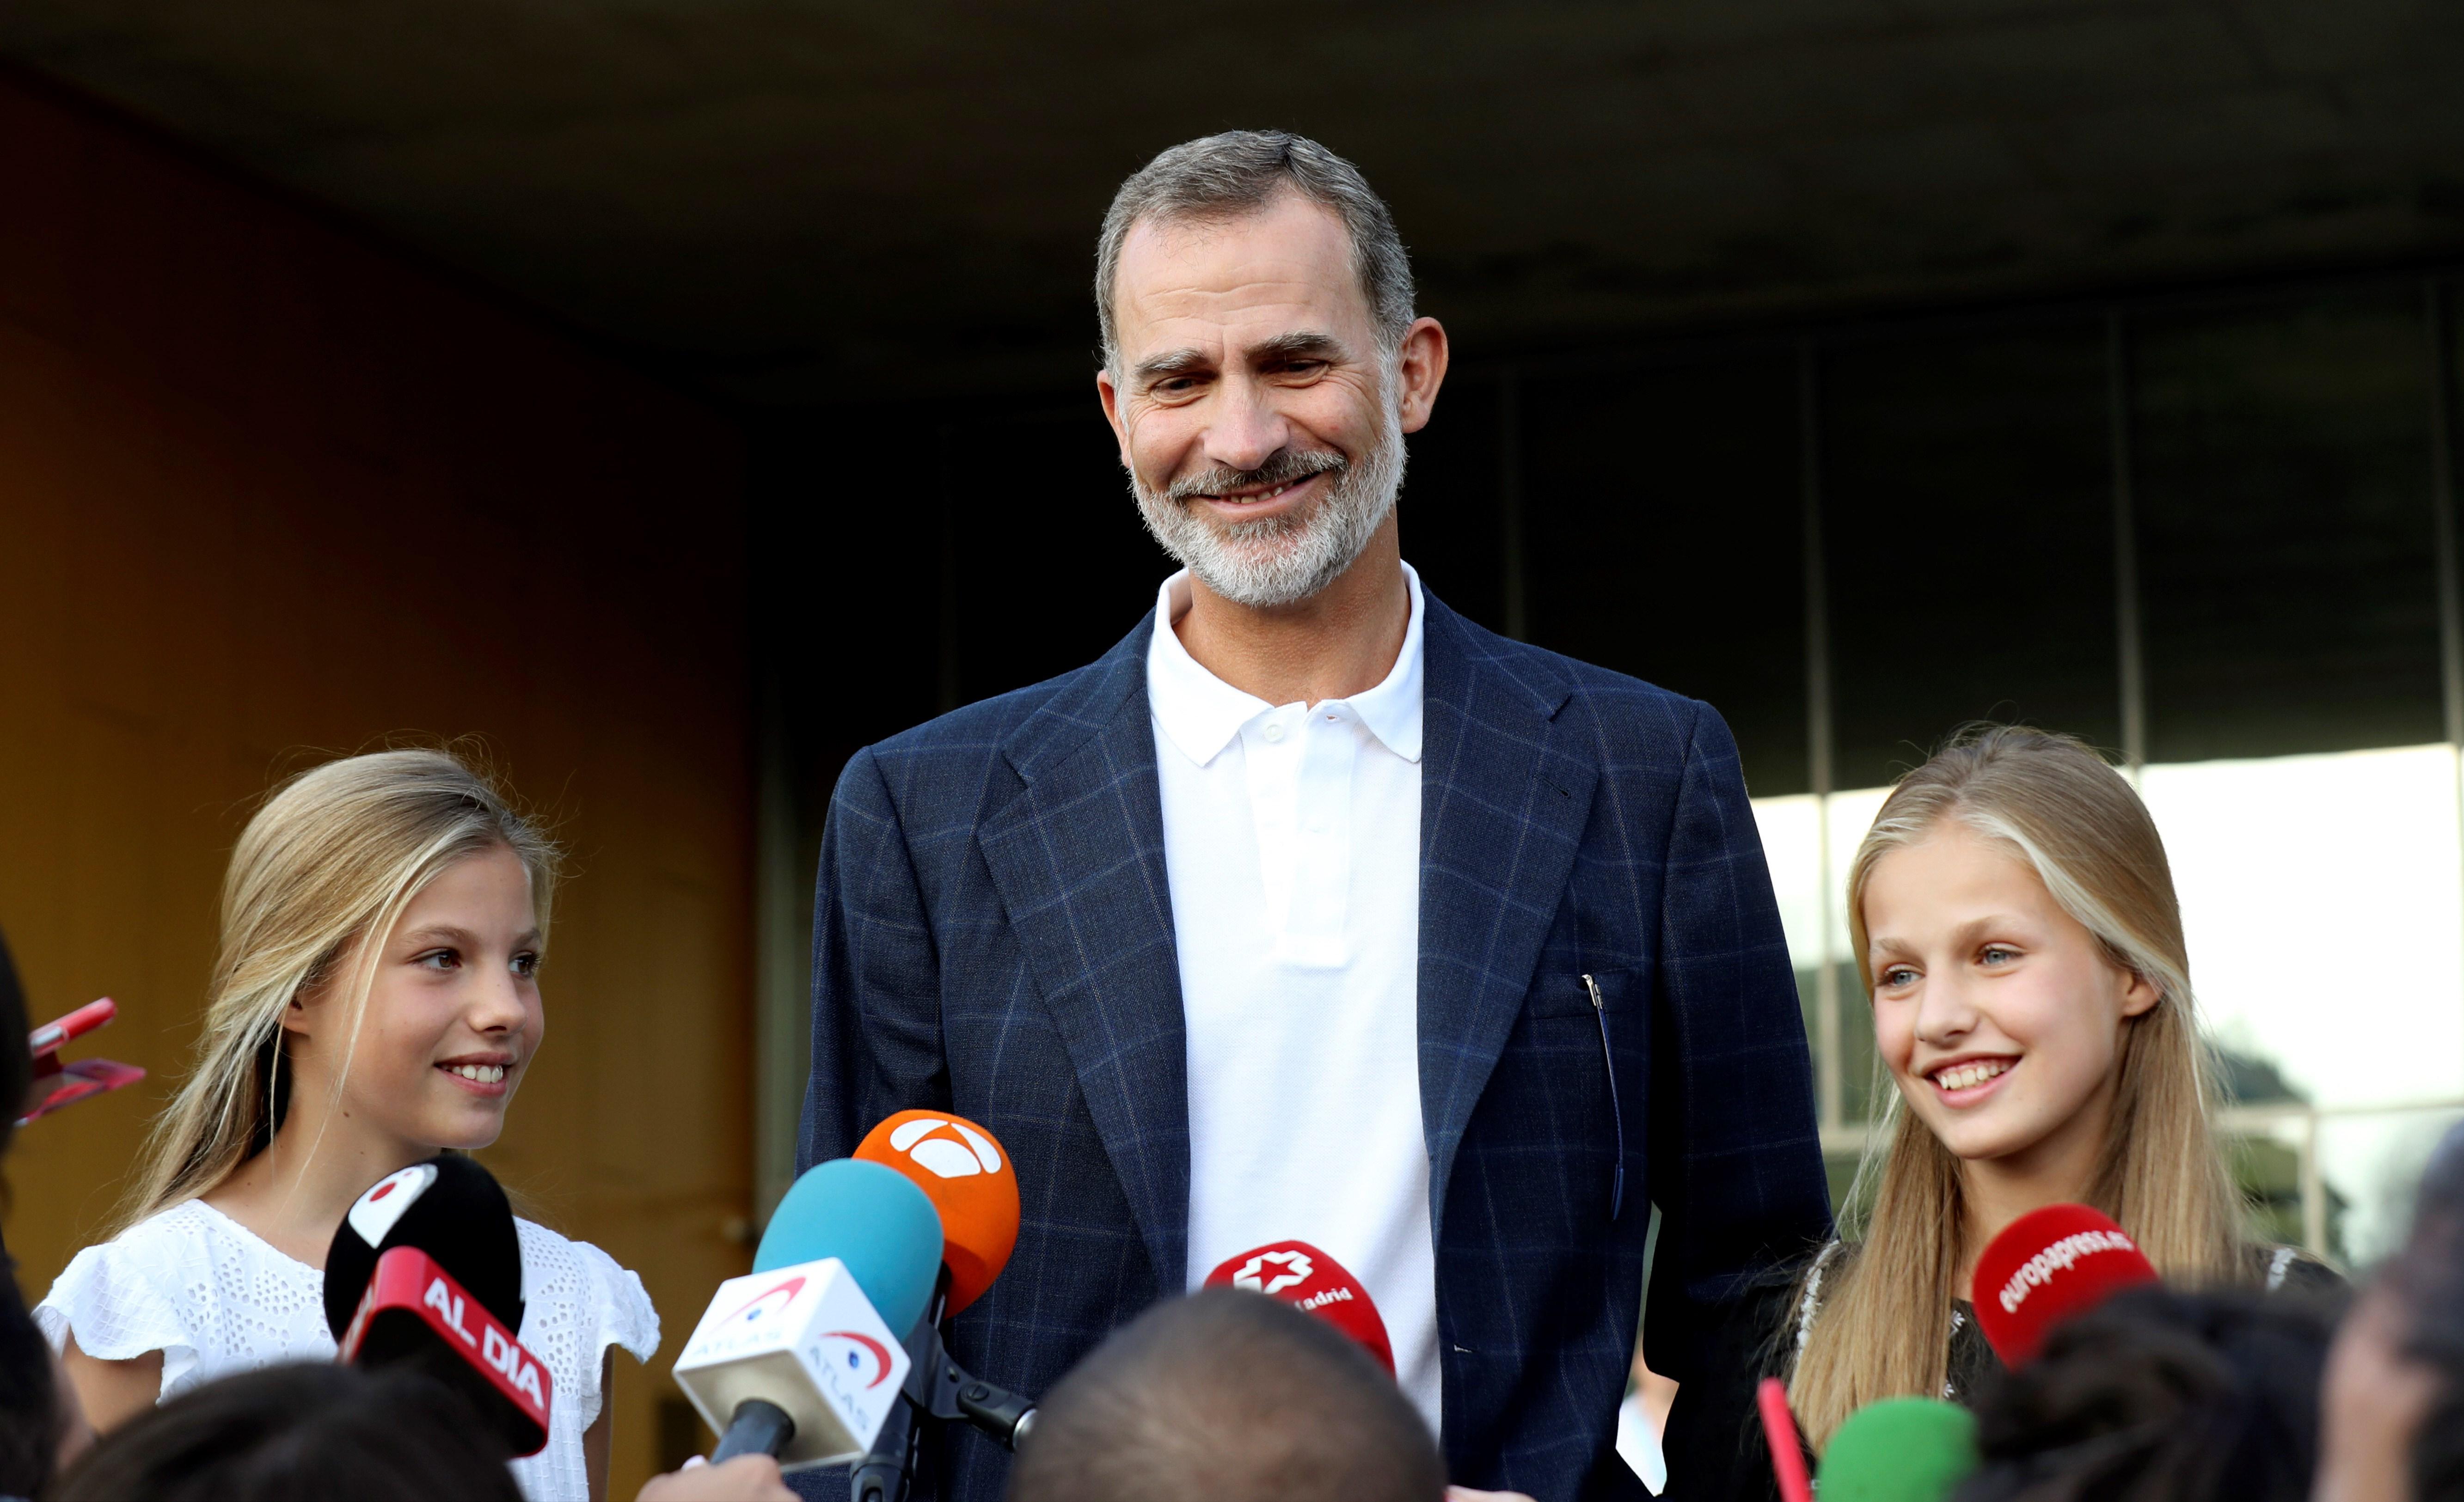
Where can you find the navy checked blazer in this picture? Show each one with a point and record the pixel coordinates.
(993, 935)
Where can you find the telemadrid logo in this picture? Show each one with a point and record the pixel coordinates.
(1295, 1266)
(964, 1156)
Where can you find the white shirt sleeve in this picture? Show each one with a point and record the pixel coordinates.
(111, 1298)
(627, 1317)
(580, 1303)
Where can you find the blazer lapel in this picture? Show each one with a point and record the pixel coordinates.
(1078, 857)
(1502, 805)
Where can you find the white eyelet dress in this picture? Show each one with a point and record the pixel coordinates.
(211, 1296)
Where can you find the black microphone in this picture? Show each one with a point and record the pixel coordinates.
(448, 1207)
(425, 1271)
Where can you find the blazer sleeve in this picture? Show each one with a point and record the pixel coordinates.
(876, 977)
(1735, 1159)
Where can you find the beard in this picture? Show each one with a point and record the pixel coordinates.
(1280, 560)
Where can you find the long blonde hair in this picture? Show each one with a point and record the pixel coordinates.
(332, 858)
(1885, 1325)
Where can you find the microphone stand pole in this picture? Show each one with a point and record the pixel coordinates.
(884, 1474)
(937, 1388)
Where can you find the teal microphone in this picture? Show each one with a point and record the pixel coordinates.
(872, 1218)
(807, 1363)
(1900, 1450)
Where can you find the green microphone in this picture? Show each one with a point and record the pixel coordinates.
(1900, 1450)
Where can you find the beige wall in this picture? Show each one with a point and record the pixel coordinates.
(268, 491)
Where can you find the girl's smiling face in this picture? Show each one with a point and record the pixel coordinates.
(453, 1015)
(1999, 1015)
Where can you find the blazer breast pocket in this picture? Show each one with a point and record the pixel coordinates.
(1591, 1017)
(1568, 994)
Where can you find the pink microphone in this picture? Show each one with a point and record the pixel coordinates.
(57, 1084)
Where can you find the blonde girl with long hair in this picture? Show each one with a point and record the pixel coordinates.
(2012, 918)
(376, 1001)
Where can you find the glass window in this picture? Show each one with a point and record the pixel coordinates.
(1967, 521)
(1791, 833)
(2281, 461)
(1662, 519)
(2369, 1169)
(1848, 816)
(2323, 898)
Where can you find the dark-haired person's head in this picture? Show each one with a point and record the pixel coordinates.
(17, 1061)
(2395, 1405)
(2160, 1396)
(295, 1433)
(1231, 1396)
(31, 1420)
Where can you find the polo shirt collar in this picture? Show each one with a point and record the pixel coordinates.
(1200, 713)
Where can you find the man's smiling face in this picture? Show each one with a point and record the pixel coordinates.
(1255, 409)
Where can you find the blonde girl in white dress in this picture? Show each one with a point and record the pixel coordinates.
(376, 1000)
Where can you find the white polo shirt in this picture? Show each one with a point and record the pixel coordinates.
(1291, 834)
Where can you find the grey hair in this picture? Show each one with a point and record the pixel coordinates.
(1238, 172)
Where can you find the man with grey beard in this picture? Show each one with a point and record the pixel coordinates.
(1313, 913)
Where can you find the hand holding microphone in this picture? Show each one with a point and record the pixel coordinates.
(747, 1478)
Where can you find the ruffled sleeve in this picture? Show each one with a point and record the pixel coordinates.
(581, 1302)
(111, 1298)
(627, 1317)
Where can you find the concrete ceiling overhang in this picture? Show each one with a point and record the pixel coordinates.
(786, 200)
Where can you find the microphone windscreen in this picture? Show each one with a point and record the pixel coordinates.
(1900, 1450)
(1308, 1279)
(871, 1218)
(2047, 1266)
(450, 1209)
(962, 1170)
(415, 1314)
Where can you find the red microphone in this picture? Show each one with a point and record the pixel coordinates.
(415, 1314)
(425, 1271)
(1301, 1275)
(2047, 1266)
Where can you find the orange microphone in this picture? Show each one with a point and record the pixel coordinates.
(963, 1172)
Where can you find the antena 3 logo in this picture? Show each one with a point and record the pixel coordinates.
(1293, 1269)
(947, 1149)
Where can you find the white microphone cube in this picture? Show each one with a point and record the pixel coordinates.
(804, 1337)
